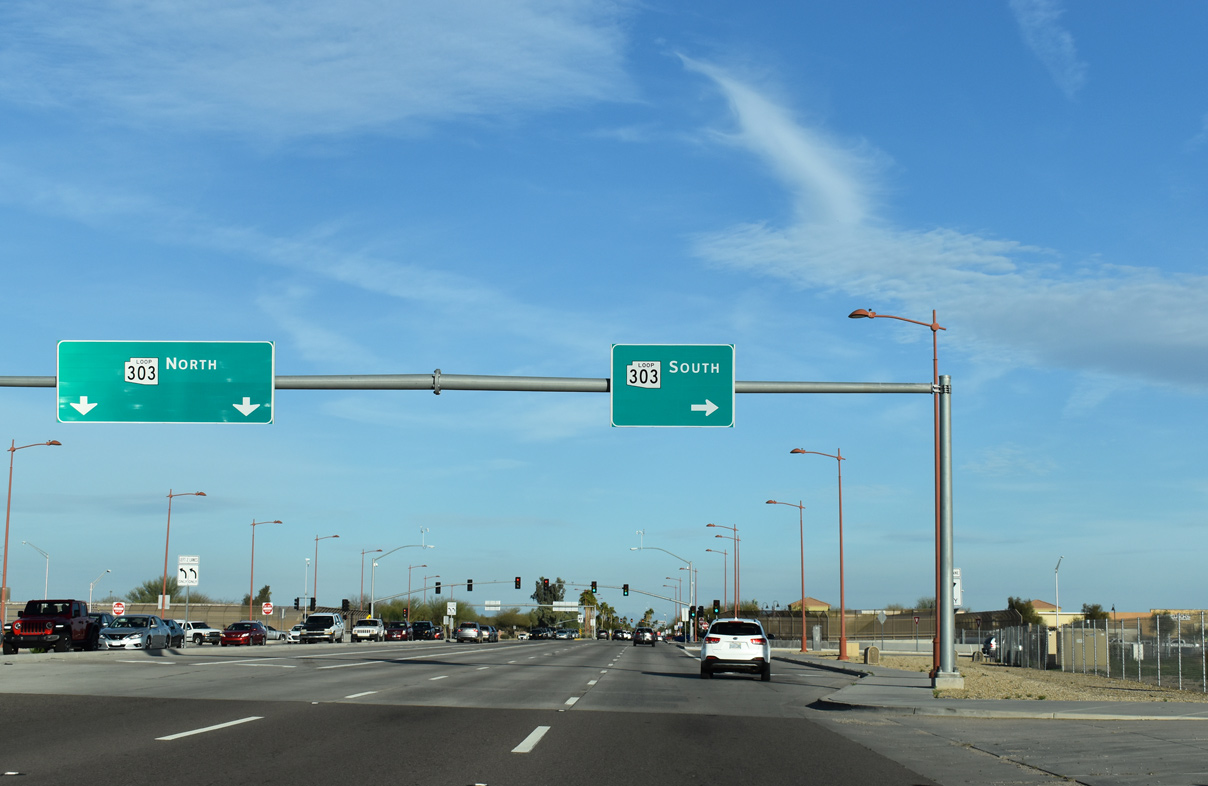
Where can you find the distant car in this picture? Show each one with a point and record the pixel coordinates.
(398, 631)
(423, 630)
(602, 635)
(990, 647)
(492, 633)
(135, 632)
(564, 633)
(177, 637)
(294, 635)
(368, 630)
(522, 635)
(247, 632)
(102, 618)
(325, 626)
(469, 631)
(621, 635)
(274, 634)
(736, 645)
(200, 632)
(645, 635)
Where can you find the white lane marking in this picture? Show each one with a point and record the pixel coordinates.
(531, 741)
(397, 660)
(235, 662)
(441, 677)
(511, 661)
(482, 668)
(362, 663)
(359, 695)
(156, 662)
(603, 671)
(533, 657)
(210, 728)
(571, 701)
(592, 682)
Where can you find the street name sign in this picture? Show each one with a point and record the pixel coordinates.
(165, 382)
(672, 385)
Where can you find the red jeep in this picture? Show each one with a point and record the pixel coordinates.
(52, 624)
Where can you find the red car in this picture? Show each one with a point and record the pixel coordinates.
(244, 633)
(398, 631)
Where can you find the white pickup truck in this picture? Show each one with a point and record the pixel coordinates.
(200, 632)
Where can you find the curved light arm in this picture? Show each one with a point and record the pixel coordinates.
(92, 583)
(656, 548)
(35, 548)
(408, 546)
(861, 313)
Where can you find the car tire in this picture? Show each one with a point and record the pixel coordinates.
(705, 674)
(197, 639)
(92, 643)
(9, 649)
(765, 674)
(63, 644)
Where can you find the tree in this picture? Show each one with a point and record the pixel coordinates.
(1093, 611)
(925, 602)
(894, 607)
(149, 592)
(263, 596)
(1027, 613)
(544, 617)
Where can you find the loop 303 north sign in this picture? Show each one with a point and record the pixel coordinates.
(166, 382)
(672, 385)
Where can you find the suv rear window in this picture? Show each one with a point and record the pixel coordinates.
(736, 629)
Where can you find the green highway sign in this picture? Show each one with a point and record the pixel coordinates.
(165, 382)
(673, 385)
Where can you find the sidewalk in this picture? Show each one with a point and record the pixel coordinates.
(909, 693)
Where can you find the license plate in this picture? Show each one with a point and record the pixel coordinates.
(736, 645)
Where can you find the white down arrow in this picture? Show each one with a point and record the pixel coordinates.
(247, 407)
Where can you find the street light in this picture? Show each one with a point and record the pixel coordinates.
(163, 601)
(314, 593)
(92, 584)
(46, 581)
(679, 590)
(12, 452)
(691, 583)
(409, 567)
(800, 506)
(361, 597)
(737, 562)
(839, 459)
(437, 576)
(725, 575)
(251, 590)
(373, 571)
(941, 655)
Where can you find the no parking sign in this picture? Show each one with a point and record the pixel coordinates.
(119, 608)
(266, 609)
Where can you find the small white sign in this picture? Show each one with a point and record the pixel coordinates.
(451, 608)
(266, 609)
(683, 613)
(187, 570)
(141, 371)
(644, 374)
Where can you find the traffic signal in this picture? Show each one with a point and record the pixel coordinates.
(312, 604)
(545, 583)
(345, 605)
(625, 590)
(691, 612)
(406, 613)
(297, 603)
(716, 607)
(469, 585)
(517, 582)
(593, 587)
(438, 588)
(700, 612)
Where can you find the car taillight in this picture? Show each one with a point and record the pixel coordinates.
(712, 639)
(759, 640)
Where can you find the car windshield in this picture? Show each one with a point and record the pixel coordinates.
(736, 629)
(367, 623)
(318, 622)
(131, 622)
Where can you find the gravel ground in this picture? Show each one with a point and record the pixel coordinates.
(991, 681)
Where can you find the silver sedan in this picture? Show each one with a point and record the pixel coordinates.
(136, 632)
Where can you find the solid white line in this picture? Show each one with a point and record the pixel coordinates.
(571, 701)
(359, 695)
(156, 662)
(482, 668)
(441, 677)
(346, 665)
(531, 741)
(210, 728)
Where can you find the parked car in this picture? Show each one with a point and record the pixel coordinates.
(274, 634)
(491, 632)
(643, 635)
(398, 631)
(327, 627)
(176, 637)
(736, 645)
(294, 635)
(522, 636)
(246, 632)
(990, 647)
(368, 630)
(200, 632)
(136, 632)
(468, 631)
(423, 630)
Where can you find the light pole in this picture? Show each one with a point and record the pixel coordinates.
(737, 562)
(373, 571)
(691, 584)
(315, 592)
(8, 507)
(361, 597)
(839, 459)
(800, 506)
(92, 584)
(409, 567)
(46, 581)
(1057, 596)
(679, 590)
(251, 590)
(163, 600)
(725, 575)
(306, 582)
(437, 576)
(942, 644)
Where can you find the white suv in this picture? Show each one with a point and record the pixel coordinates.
(371, 629)
(736, 645)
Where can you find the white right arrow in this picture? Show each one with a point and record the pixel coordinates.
(247, 407)
(83, 407)
(708, 407)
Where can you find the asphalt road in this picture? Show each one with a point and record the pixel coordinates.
(581, 712)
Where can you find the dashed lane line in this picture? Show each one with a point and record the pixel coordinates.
(359, 695)
(531, 741)
(171, 737)
(441, 677)
(571, 701)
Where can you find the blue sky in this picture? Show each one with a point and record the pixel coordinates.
(511, 188)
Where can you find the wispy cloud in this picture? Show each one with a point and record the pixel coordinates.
(1010, 460)
(1012, 304)
(288, 69)
(1040, 23)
